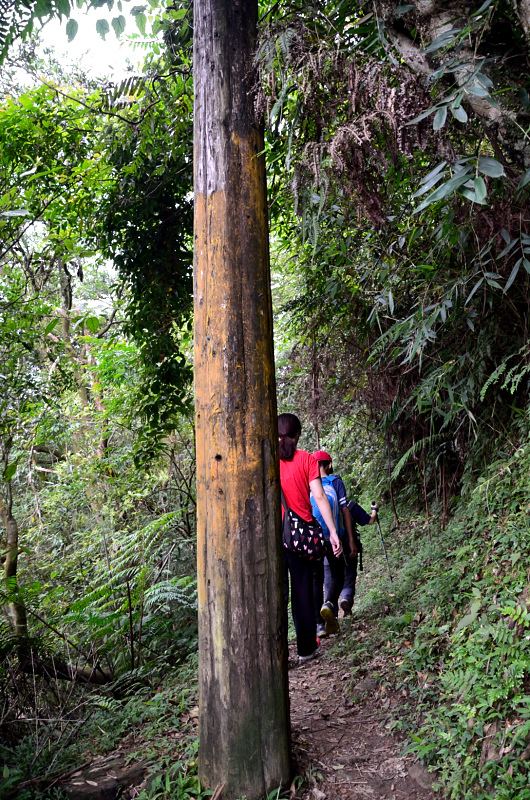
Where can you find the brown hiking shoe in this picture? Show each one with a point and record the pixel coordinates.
(346, 606)
(327, 614)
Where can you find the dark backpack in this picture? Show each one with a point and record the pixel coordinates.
(304, 539)
(356, 536)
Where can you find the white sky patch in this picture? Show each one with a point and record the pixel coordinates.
(100, 58)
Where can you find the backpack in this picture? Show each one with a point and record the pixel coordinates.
(356, 535)
(304, 539)
(331, 494)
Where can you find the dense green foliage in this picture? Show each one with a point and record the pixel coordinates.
(454, 629)
(400, 171)
(405, 228)
(399, 179)
(97, 498)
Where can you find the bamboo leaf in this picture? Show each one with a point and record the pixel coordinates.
(469, 194)
(425, 188)
(445, 189)
(489, 166)
(474, 289)
(525, 178)
(459, 113)
(484, 80)
(482, 8)
(423, 115)
(433, 172)
(513, 275)
(443, 40)
(480, 189)
(440, 118)
(511, 244)
(427, 441)
(478, 90)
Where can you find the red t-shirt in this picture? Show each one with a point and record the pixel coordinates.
(294, 478)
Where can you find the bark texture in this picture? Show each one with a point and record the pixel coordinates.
(17, 608)
(244, 714)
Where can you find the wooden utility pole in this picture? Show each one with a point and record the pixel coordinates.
(243, 710)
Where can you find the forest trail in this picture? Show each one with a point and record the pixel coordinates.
(339, 736)
(341, 743)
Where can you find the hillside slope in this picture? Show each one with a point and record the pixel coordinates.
(453, 630)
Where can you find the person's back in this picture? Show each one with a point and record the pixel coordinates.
(299, 475)
(326, 603)
(295, 476)
(338, 575)
(358, 516)
(331, 494)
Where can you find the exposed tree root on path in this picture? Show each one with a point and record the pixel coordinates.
(342, 747)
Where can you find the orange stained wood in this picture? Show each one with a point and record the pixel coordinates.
(243, 707)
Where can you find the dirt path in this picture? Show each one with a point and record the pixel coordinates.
(343, 746)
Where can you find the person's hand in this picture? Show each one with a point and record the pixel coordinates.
(375, 507)
(335, 543)
(353, 550)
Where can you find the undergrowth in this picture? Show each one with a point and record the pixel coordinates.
(453, 628)
(445, 624)
(155, 724)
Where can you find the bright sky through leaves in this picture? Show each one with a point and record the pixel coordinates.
(100, 58)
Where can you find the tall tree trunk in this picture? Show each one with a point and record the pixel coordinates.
(18, 610)
(244, 713)
(314, 389)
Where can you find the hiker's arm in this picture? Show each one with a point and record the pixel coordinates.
(360, 516)
(375, 509)
(349, 530)
(324, 507)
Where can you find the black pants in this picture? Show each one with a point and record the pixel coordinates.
(302, 607)
(335, 569)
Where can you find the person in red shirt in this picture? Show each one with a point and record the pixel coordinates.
(299, 474)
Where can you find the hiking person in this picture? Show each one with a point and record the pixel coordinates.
(327, 622)
(299, 475)
(352, 548)
(339, 575)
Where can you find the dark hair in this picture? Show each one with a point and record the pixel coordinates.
(324, 464)
(288, 428)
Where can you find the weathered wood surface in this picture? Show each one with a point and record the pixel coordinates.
(244, 715)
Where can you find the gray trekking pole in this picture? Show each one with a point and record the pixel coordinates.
(374, 506)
